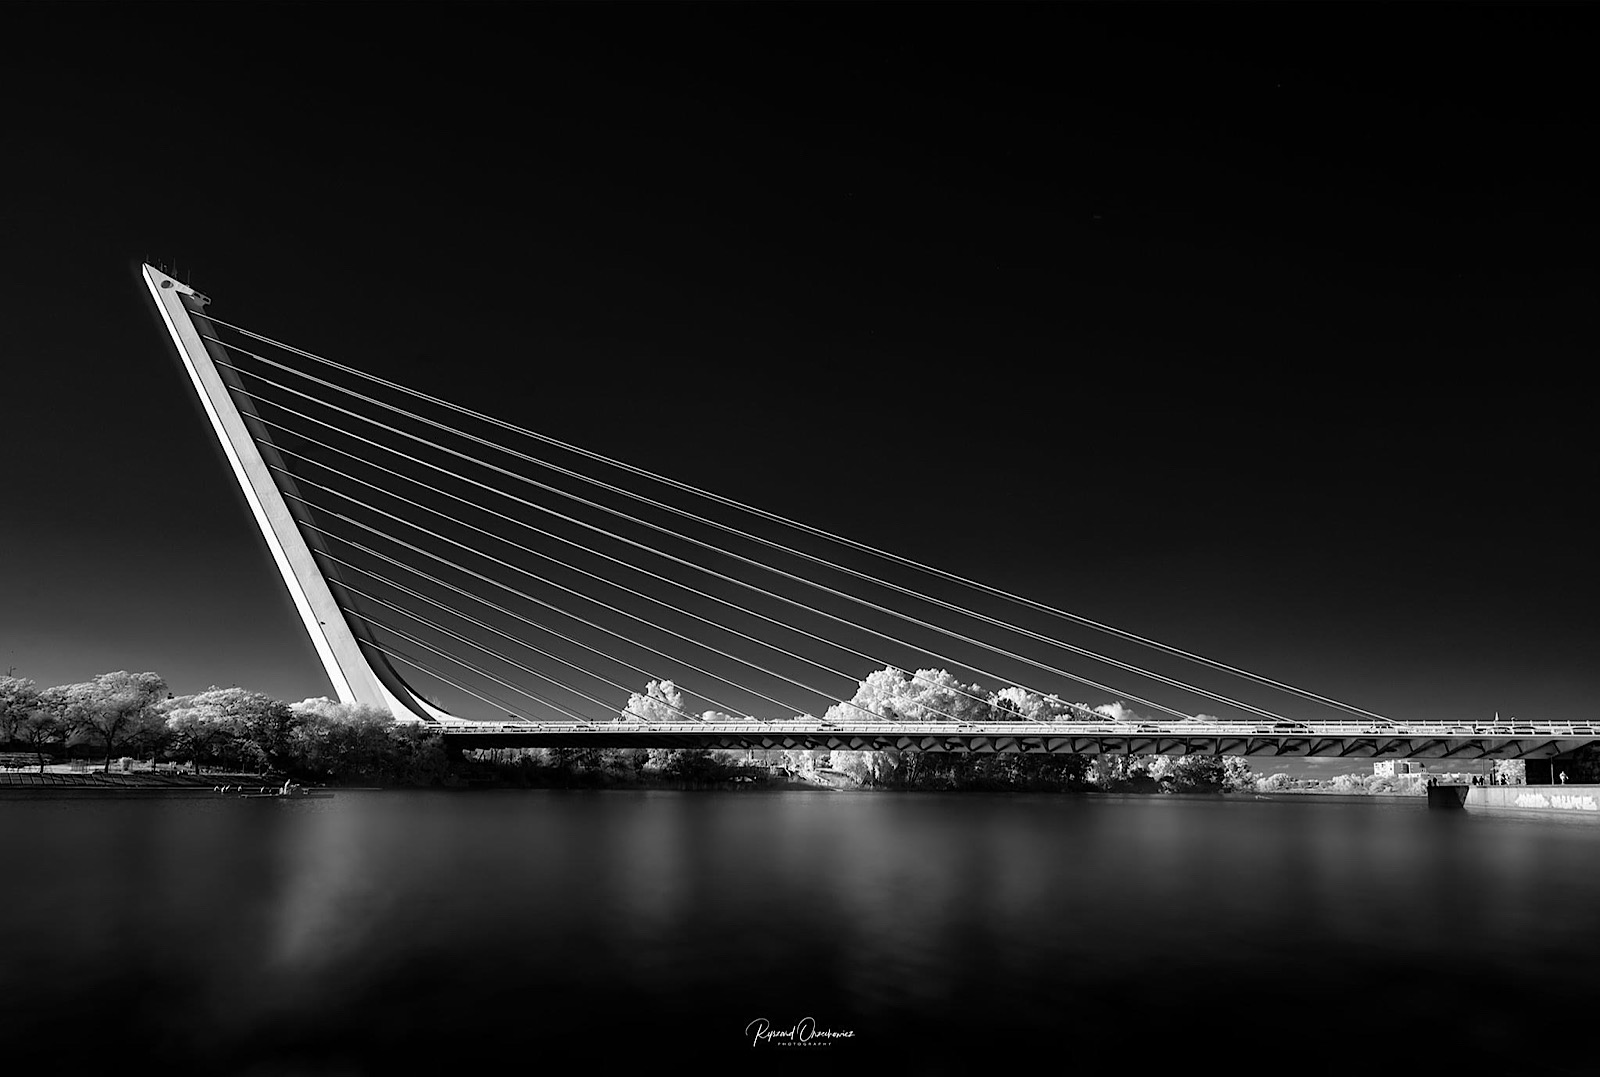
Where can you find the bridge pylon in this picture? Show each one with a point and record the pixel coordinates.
(246, 441)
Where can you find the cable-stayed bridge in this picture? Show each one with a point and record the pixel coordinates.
(457, 569)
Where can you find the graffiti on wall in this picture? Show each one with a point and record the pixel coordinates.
(1557, 800)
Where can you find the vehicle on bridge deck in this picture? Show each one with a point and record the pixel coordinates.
(1288, 727)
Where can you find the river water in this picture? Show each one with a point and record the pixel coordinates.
(417, 932)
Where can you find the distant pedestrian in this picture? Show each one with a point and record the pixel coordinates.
(1563, 777)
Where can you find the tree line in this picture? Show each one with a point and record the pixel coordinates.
(936, 695)
(234, 729)
(885, 769)
(230, 729)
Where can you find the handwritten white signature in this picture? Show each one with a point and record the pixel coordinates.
(803, 1031)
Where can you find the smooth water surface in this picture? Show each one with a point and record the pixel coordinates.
(414, 932)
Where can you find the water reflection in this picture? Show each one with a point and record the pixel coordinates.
(378, 932)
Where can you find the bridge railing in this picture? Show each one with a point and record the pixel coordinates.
(887, 727)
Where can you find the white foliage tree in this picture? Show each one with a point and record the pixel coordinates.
(203, 724)
(884, 694)
(1352, 783)
(342, 713)
(19, 697)
(1237, 773)
(116, 707)
(942, 697)
(930, 695)
(1017, 703)
(661, 702)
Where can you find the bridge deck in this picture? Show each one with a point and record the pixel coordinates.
(1329, 739)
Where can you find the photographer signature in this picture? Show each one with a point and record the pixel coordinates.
(803, 1032)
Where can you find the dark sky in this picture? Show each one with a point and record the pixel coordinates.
(1259, 330)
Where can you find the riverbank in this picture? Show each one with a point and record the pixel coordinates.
(137, 784)
(135, 780)
(1567, 800)
(146, 782)
(1277, 794)
(1577, 800)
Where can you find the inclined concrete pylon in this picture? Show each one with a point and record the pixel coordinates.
(355, 678)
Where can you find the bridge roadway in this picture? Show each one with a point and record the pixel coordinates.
(1412, 740)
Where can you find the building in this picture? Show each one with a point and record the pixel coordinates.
(1394, 768)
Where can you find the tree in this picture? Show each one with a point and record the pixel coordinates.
(42, 729)
(1051, 770)
(116, 707)
(930, 695)
(19, 698)
(1110, 771)
(694, 765)
(1006, 708)
(807, 760)
(1164, 770)
(266, 727)
(203, 726)
(864, 767)
(1034, 707)
(883, 694)
(1237, 773)
(48, 723)
(234, 720)
(418, 755)
(1200, 774)
(661, 702)
(342, 740)
(1352, 783)
(573, 759)
(941, 696)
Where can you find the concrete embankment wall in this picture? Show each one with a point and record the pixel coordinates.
(1563, 799)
